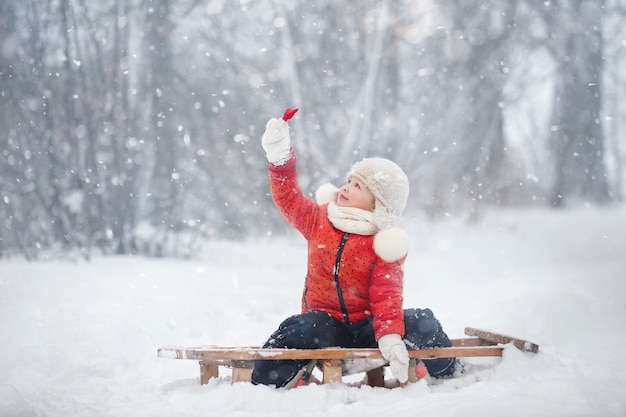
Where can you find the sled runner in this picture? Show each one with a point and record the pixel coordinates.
(332, 360)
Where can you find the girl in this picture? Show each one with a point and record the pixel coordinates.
(353, 289)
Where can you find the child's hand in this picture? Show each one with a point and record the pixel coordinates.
(276, 141)
(394, 350)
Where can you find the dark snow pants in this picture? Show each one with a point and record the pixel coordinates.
(317, 329)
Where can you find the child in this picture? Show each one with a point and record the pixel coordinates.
(353, 289)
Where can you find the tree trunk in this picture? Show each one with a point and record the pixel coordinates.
(162, 126)
(577, 135)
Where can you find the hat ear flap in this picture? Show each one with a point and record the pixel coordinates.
(327, 193)
(384, 219)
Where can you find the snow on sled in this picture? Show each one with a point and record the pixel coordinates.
(336, 362)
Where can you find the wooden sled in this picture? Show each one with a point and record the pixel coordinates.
(241, 359)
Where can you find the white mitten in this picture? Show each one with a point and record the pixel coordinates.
(394, 350)
(276, 141)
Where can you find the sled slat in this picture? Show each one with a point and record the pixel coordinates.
(227, 355)
(521, 344)
(472, 341)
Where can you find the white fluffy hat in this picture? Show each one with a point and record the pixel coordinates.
(390, 187)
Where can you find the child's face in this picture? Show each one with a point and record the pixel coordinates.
(355, 194)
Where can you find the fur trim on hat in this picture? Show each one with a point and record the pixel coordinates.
(391, 244)
(327, 193)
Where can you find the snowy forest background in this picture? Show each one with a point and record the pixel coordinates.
(133, 126)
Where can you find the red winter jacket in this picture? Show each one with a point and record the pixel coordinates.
(369, 286)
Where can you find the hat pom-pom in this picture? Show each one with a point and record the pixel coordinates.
(391, 244)
(327, 193)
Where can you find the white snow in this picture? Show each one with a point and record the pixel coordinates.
(81, 339)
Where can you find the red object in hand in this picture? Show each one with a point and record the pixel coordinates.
(289, 114)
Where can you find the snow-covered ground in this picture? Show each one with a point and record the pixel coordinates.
(80, 339)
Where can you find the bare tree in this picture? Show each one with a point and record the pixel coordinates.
(460, 160)
(9, 235)
(577, 137)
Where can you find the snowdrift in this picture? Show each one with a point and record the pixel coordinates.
(80, 339)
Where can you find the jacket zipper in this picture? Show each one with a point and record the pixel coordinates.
(342, 303)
